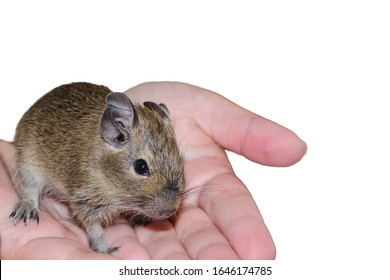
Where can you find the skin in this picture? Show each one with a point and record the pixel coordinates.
(219, 219)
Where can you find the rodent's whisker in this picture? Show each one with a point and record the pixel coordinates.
(182, 143)
(202, 190)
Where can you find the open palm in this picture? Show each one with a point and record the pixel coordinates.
(219, 218)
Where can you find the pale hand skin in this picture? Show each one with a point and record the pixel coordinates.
(219, 220)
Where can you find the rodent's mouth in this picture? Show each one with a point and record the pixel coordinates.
(144, 218)
(156, 209)
(160, 214)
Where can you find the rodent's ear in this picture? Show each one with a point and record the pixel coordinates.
(117, 120)
(161, 109)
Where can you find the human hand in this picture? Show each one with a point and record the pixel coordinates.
(218, 220)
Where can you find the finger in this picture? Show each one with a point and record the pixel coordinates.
(7, 164)
(55, 248)
(228, 203)
(234, 211)
(160, 240)
(231, 126)
(201, 238)
(8, 196)
(246, 133)
(122, 235)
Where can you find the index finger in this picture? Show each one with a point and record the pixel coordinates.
(231, 126)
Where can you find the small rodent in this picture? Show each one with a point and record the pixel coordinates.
(102, 155)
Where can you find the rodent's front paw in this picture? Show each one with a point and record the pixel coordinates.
(26, 211)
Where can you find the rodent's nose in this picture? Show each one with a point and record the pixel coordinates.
(171, 191)
(164, 207)
(168, 212)
(166, 202)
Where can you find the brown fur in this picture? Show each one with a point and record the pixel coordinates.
(61, 151)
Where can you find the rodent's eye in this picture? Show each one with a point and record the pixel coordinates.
(141, 167)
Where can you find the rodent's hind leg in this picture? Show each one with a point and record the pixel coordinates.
(96, 238)
(30, 186)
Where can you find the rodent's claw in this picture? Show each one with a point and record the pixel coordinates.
(24, 210)
(112, 249)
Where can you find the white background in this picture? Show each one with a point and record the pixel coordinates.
(320, 68)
